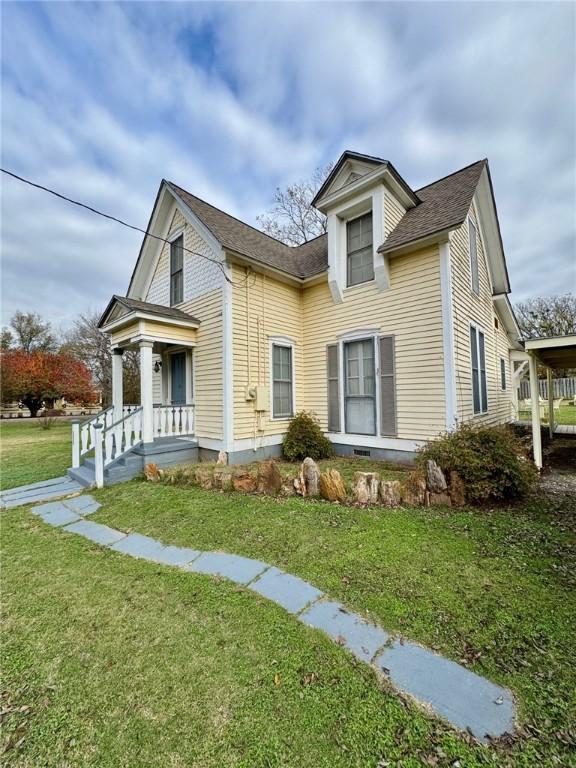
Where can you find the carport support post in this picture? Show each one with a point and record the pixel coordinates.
(146, 394)
(535, 399)
(117, 385)
(550, 402)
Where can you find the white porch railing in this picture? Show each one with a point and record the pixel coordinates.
(116, 440)
(84, 435)
(170, 420)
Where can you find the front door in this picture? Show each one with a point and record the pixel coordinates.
(178, 378)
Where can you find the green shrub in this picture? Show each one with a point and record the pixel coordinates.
(491, 461)
(305, 438)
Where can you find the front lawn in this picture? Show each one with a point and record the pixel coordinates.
(126, 663)
(29, 453)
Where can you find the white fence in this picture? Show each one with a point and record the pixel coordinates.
(565, 387)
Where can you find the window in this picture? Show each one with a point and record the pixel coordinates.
(360, 261)
(474, 278)
(177, 271)
(502, 373)
(478, 356)
(282, 384)
(360, 387)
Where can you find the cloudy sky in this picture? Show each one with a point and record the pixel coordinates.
(102, 100)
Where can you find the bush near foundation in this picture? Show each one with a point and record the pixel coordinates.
(304, 438)
(491, 461)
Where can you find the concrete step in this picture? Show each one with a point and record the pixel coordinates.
(38, 492)
(83, 475)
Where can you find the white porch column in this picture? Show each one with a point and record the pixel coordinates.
(117, 385)
(146, 396)
(550, 402)
(535, 399)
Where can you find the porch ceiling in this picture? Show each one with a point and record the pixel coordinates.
(555, 353)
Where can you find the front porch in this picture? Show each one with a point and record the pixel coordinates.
(115, 444)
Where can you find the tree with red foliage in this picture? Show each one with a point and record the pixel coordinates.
(35, 378)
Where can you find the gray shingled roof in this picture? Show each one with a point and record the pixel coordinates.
(444, 204)
(134, 305)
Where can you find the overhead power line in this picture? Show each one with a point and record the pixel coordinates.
(114, 218)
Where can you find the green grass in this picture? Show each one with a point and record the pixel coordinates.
(566, 415)
(29, 453)
(126, 663)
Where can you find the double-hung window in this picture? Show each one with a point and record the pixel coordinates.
(177, 271)
(478, 358)
(359, 257)
(282, 382)
(502, 374)
(360, 387)
(473, 245)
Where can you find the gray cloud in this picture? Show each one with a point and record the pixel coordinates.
(101, 101)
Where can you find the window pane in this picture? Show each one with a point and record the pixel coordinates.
(360, 415)
(176, 254)
(360, 267)
(176, 288)
(483, 386)
(281, 381)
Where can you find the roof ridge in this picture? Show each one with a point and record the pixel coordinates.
(225, 213)
(484, 161)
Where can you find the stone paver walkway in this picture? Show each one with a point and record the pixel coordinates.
(466, 700)
(36, 492)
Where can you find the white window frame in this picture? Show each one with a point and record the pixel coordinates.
(472, 223)
(359, 335)
(282, 341)
(349, 221)
(503, 375)
(483, 406)
(171, 239)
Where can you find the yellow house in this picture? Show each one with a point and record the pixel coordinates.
(392, 327)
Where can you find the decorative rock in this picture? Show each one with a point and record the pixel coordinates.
(203, 477)
(297, 483)
(309, 477)
(457, 490)
(332, 486)
(435, 477)
(390, 493)
(222, 478)
(439, 500)
(152, 472)
(244, 482)
(366, 487)
(414, 490)
(269, 477)
(222, 458)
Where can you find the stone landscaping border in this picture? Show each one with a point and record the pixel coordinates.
(466, 700)
(418, 489)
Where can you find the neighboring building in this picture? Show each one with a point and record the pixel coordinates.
(392, 327)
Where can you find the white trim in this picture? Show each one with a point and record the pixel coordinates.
(553, 341)
(375, 441)
(153, 340)
(448, 336)
(483, 243)
(348, 338)
(281, 341)
(359, 441)
(482, 411)
(470, 221)
(176, 234)
(227, 360)
(134, 315)
(380, 175)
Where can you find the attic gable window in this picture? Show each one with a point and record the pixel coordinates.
(474, 277)
(359, 256)
(177, 271)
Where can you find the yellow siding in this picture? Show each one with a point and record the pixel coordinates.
(393, 212)
(479, 309)
(207, 363)
(123, 335)
(200, 277)
(163, 331)
(411, 310)
(262, 308)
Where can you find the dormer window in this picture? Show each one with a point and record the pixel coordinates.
(359, 256)
(177, 271)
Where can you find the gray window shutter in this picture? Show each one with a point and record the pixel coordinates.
(333, 368)
(387, 386)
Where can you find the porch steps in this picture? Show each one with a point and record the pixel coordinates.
(163, 452)
(41, 491)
